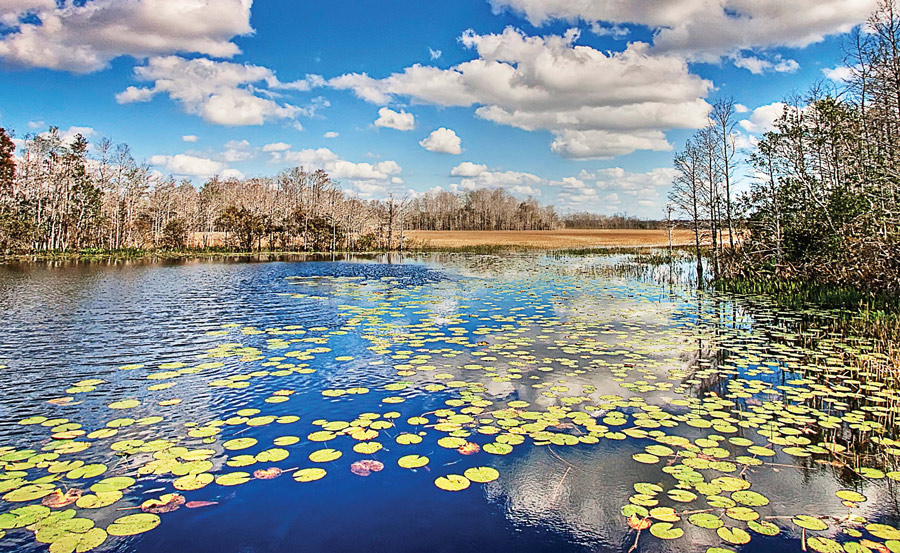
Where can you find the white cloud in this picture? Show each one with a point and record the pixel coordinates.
(606, 144)
(368, 179)
(70, 133)
(707, 30)
(11, 11)
(188, 165)
(468, 169)
(224, 93)
(442, 140)
(762, 118)
(67, 135)
(741, 108)
(84, 37)
(522, 184)
(331, 134)
(435, 54)
(190, 138)
(402, 120)
(232, 174)
(550, 83)
(612, 198)
(237, 150)
(840, 74)
(134, 94)
(615, 31)
(758, 66)
(276, 147)
(607, 190)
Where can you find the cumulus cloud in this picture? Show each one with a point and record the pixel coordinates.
(402, 121)
(237, 150)
(84, 36)
(66, 136)
(11, 11)
(190, 138)
(189, 165)
(707, 30)
(762, 119)
(515, 182)
(605, 144)
(369, 180)
(442, 140)
(840, 74)
(331, 134)
(468, 169)
(758, 66)
(223, 93)
(231, 174)
(435, 54)
(596, 104)
(276, 147)
(609, 189)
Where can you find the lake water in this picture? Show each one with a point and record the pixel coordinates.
(549, 394)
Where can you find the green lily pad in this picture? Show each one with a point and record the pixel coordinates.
(272, 455)
(193, 481)
(750, 498)
(733, 535)
(666, 531)
(481, 475)
(412, 461)
(850, 495)
(763, 527)
(239, 443)
(324, 455)
(810, 523)
(706, 520)
(309, 474)
(883, 531)
(86, 471)
(113, 484)
(824, 545)
(452, 482)
(233, 478)
(131, 525)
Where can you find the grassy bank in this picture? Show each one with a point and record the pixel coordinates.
(136, 254)
(855, 311)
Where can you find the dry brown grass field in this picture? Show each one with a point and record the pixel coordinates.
(547, 239)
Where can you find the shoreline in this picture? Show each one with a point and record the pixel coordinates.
(570, 241)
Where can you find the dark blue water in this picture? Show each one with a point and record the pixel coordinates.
(640, 341)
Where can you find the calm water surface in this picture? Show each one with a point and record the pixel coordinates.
(577, 378)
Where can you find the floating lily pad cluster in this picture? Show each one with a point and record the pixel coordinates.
(710, 390)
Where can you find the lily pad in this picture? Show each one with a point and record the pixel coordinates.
(324, 455)
(452, 482)
(412, 461)
(666, 531)
(481, 474)
(309, 474)
(131, 525)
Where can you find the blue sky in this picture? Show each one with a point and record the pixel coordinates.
(580, 104)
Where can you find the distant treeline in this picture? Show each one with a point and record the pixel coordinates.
(824, 203)
(485, 209)
(59, 195)
(587, 220)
